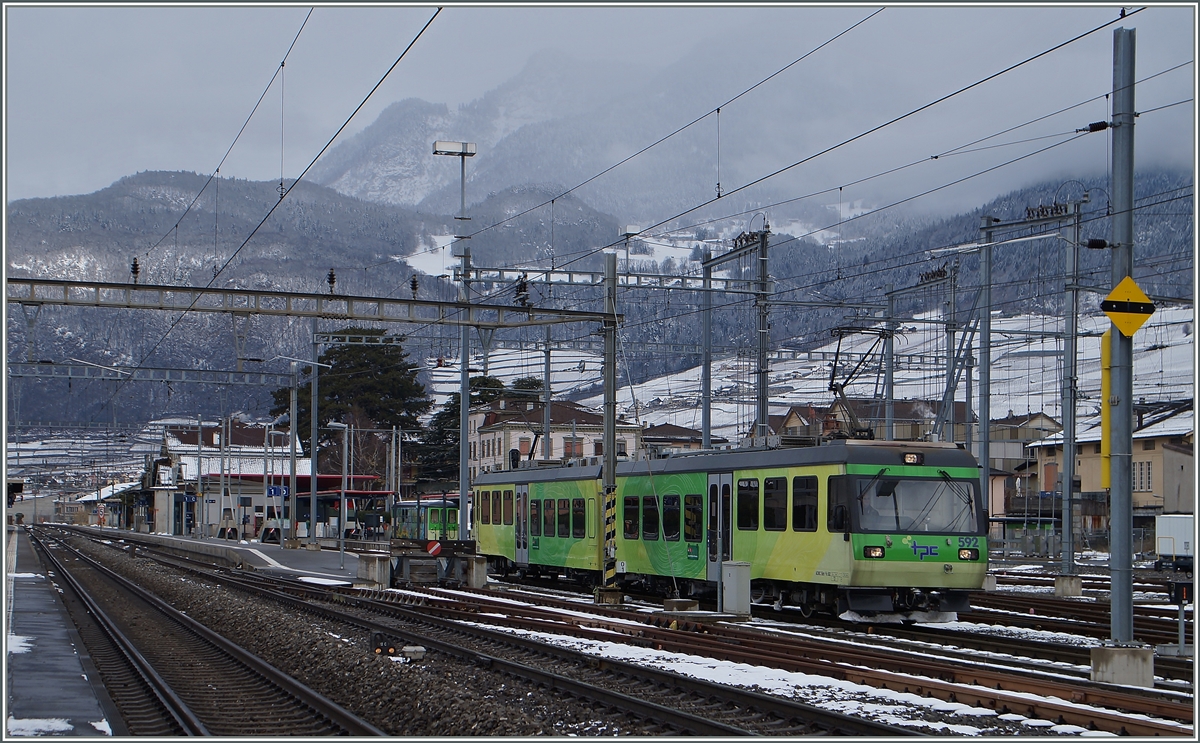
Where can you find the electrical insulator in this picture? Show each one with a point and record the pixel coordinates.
(135, 269)
(413, 284)
(1095, 244)
(331, 279)
(523, 291)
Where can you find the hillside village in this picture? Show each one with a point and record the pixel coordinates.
(126, 471)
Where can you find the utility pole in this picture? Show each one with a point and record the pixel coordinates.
(764, 330)
(314, 467)
(985, 359)
(706, 357)
(950, 381)
(1121, 401)
(464, 400)
(1069, 391)
(610, 421)
(889, 369)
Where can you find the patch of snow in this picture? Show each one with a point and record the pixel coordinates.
(37, 726)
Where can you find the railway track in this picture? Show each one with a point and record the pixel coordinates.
(677, 704)
(1151, 624)
(947, 678)
(169, 675)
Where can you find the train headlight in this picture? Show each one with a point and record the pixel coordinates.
(873, 552)
(914, 457)
(968, 554)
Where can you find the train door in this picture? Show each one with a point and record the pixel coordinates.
(720, 513)
(520, 528)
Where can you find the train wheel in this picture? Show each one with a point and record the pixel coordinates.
(758, 595)
(806, 610)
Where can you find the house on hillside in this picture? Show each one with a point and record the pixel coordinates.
(503, 426)
(1162, 467)
(667, 437)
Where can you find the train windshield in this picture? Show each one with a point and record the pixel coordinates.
(943, 505)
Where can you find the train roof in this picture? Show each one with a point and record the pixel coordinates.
(849, 451)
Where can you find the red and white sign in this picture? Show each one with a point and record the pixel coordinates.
(433, 548)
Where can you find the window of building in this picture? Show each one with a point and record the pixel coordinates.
(1098, 448)
(535, 518)
(631, 517)
(598, 448)
(578, 518)
(775, 503)
(747, 504)
(548, 517)
(508, 507)
(564, 517)
(1148, 445)
(649, 517)
(485, 508)
(523, 445)
(572, 447)
(693, 517)
(670, 518)
(621, 450)
(804, 504)
(473, 450)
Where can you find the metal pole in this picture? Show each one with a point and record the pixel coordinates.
(889, 370)
(199, 485)
(1068, 397)
(760, 300)
(706, 358)
(292, 412)
(464, 381)
(547, 449)
(985, 362)
(949, 436)
(342, 516)
(610, 419)
(1121, 539)
(314, 462)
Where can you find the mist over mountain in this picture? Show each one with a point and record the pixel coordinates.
(379, 205)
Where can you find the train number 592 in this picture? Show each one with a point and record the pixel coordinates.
(968, 541)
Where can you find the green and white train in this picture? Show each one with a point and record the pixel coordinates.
(871, 527)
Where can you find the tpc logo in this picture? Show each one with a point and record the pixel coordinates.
(924, 550)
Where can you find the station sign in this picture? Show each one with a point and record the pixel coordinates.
(276, 491)
(1127, 306)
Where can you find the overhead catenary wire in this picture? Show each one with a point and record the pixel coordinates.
(283, 195)
(238, 136)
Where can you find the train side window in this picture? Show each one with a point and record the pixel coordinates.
(775, 503)
(670, 518)
(485, 507)
(496, 506)
(649, 517)
(508, 507)
(548, 517)
(631, 518)
(535, 518)
(747, 504)
(839, 514)
(804, 504)
(693, 517)
(591, 507)
(564, 517)
(578, 518)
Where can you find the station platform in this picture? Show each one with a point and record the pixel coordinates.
(319, 566)
(51, 686)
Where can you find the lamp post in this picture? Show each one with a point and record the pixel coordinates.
(462, 150)
(342, 510)
(312, 444)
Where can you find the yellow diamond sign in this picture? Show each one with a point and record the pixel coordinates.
(1127, 306)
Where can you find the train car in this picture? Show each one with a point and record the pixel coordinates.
(870, 527)
(430, 517)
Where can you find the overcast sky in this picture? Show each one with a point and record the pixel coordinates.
(97, 93)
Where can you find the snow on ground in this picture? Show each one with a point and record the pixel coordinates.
(882, 705)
